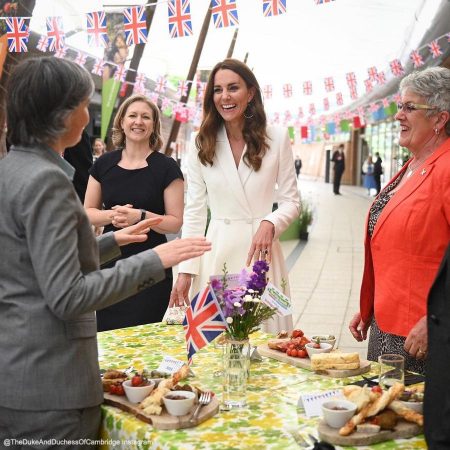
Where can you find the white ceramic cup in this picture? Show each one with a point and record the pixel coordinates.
(337, 413)
(136, 394)
(179, 407)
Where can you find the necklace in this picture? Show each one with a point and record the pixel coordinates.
(412, 168)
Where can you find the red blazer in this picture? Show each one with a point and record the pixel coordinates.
(407, 246)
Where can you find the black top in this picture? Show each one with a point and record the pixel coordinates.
(339, 161)
(142, 188)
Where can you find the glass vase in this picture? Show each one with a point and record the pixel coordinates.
(236, 366)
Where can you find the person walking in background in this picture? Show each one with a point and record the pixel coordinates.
(338, 159)
(50, 279)
(377, 172)
(133, 183)
(368, 170)
(233, 166)
(99, 149)
(298, 165)
(408, 226)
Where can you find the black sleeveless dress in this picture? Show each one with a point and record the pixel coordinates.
(142, 188)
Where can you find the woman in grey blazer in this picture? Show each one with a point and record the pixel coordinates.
(50, 281)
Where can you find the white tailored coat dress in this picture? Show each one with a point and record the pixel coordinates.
(239, 199)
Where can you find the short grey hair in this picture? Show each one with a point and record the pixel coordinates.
(41, 93)
(433, 84)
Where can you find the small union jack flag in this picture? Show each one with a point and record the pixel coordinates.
(353, 93)
(165, 103)
(397, 97)
(61, 52)
(326, 104)
(97, 31)
(287, 90)
(42, 44)
(274, 7)
(329, 84)
(372, 71)
(339, 99)
(203, 321)
(99, 67)
(307, 88)
(267, 91)
(374, 107)
(140, 80)
(120, 73)
(312, 109)
(381, 78)
(180, 23)
(183, 87)
(17, 33)
(276, 118)
(55, 33)
(135, 25)
(287, 116)
(161, 85)
(320, 2)
(154, 97)
(416, 58)
(224, 13)
(435, 49)
(81, 58)
(201, 86)
(396, 68)
(351, 79)
(368, 84)
(300, 113)
(385, 102)
(139, 89)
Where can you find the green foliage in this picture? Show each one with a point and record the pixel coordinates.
(306, 216)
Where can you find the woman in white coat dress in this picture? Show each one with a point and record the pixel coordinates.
(234, 166)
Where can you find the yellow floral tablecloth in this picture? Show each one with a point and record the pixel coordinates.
(265, 424)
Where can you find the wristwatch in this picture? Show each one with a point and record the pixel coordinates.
(143, 214)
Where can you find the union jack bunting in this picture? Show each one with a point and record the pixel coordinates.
(42, 44)
(135, 25)
(385, 102)
(99, 67)
(372, 71)
(17, 33)
(274, 7)
(267, 90)
(360, 111)
(319, 2)
(287, 90)
(180, 23)
(153, 97)
(312, 109)
(396, 68)
(183, 87)
(61, 52)
(165, 103)
(287, 116)
(201, 86)
(397, 97)
(381, 78)
(329, 84)
(307, 88)
(351, 79)
(417, 58)
(55, 33)
(140, 79)
(326, 104)
(96, 29)
(161, 85)
(339, 99)
(353, 93)
(368, 84)
(139, 89)
(276, 118)
(203, 321)
(300, 113)
(120, 73)
(435, 49)
(224, 13)
(374, 107)
(81, 58)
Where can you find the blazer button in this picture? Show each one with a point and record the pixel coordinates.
(434, 319)
(227, 221)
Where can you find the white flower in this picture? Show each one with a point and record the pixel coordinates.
(237, 304)
(248, 298)
(250, 291)
(229, 320)
(256, 300)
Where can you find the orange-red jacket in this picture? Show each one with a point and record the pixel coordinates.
(407, 246)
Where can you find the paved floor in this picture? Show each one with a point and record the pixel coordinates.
(325, 272)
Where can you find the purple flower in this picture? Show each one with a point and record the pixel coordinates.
(216, 285)
(243, 278)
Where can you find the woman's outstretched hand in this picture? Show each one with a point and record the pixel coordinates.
(135, 233)
(180, 291)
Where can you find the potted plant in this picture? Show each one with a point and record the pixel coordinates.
(305, 220)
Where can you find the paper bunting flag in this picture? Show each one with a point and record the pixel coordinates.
(224, 13)
(287, 90)
(353, 93)
(55, 33)
(357, 122)
(267, 90)
(42, 44)
(396, 68)
(416, 59)
(17, 34)
(329, 84)
(180, 23)
(97, 31)
(81, 58)
(385, 102)
(372, 71)
(312, 109)
(326, 104)
(368, 85)
(307, 88)
(351, 79)
(274, 7)
(339, 99)
(154, 97)
(99, 67)
(61, 52)
(120, 73)
(135, 25)
(300, 113)
(381, 78)
(161, 85)
(140, 79)
(304, 132)
(320, 2)
(435, 49)
(183, 88)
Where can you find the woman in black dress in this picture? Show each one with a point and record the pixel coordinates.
(133, 183)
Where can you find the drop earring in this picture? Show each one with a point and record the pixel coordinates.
(436, 131)
(249, 114)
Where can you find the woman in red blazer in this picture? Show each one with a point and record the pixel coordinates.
(408, 226)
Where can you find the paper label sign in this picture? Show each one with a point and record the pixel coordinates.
(231, 278)
(274, 298)
(312, 402)
(170, 365)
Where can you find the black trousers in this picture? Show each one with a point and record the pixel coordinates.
(337, 180)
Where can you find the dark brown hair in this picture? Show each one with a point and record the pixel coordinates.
(118, 136)
(254, 132)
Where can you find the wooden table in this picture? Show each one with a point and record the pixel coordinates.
(265, 424)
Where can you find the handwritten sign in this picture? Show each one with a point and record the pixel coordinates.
(274, 298)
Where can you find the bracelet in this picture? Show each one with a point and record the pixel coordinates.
(143, 215)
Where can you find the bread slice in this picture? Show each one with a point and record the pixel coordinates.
(342, 361)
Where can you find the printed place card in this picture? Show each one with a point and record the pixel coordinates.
(170, 365)
(312, 402)
(274, 298)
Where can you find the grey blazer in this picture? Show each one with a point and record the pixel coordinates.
(51, 285)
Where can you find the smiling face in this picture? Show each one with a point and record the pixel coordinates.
(231, 95)
(137, 122)
(416, 129)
